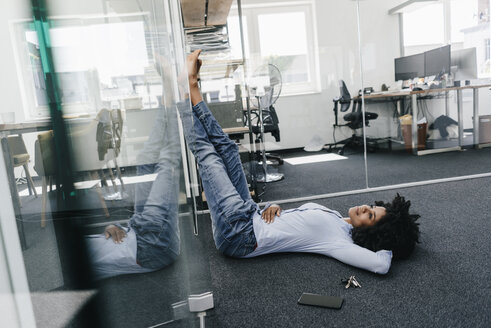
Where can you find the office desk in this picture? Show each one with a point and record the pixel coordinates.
(237, 132)
(414, 95)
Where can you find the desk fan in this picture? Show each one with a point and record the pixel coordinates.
(264, 90)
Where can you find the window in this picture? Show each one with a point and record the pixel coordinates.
(82, 51)
(462, 23)
(424, 26)
(283, 36)
(97, 65)
(234, 36)
(463, 14)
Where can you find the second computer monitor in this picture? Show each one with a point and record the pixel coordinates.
(437, 61)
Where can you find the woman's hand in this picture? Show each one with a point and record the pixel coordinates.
(269, 213)
(194, 64)
(116, 233)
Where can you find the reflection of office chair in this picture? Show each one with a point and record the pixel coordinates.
(354, 119)
(108, 137)
(20, 157)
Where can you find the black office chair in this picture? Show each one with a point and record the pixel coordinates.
(354, 119)
(270, 119)
(271, 125)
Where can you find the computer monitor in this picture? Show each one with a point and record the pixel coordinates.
(409, 67)
(437, 61)
(464, 64)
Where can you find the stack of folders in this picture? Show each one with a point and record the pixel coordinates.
(207, 39)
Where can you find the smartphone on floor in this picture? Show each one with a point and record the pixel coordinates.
(332, 302)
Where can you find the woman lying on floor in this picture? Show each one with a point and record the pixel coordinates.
(368, 239)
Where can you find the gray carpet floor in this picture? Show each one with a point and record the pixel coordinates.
(384, 168)
(444, 284)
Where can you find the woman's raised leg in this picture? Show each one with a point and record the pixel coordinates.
(155, 220)
(231, 214)
(226, 148)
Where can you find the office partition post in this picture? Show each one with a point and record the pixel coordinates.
(360, 55)
(475, 118)
(414, 141)
(401, 34)
(460, 115)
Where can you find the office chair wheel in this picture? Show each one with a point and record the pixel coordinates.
(341, 152)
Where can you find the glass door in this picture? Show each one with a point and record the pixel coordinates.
(104, 205)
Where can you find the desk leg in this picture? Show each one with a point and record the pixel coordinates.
(13, 191)
(475, 118)
(460, 116)
(414, 143)
(447, 105)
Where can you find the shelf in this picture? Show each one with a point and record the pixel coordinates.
(217, 69)
(196, 13)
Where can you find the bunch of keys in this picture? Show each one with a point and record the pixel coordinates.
(351, 282)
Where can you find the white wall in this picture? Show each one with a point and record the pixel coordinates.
(380, 45)
(304, 116)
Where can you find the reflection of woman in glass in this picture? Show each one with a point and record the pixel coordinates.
(151, 241)
(368, 239)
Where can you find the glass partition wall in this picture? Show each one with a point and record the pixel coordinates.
(433, 121)
(308, 57)
(421, 123)
(91, 136)
(94, 161)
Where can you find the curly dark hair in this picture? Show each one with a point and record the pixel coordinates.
(396, 231)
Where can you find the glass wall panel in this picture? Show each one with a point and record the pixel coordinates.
(431, 94)
(95, 162)
(301, 51)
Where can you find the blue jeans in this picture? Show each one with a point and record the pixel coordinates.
(224, 181)
(155, 220)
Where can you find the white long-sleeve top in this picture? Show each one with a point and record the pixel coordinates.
(111, 259)
(313, 228)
